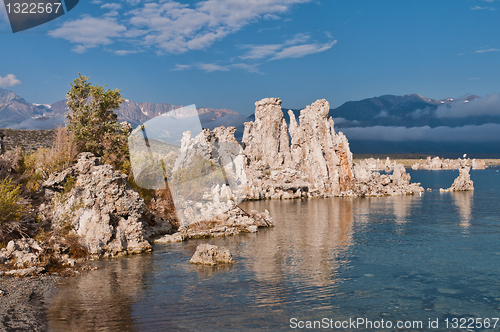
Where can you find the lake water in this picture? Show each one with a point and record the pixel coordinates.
(410, 258)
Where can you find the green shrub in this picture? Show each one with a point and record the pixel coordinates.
(11, 208)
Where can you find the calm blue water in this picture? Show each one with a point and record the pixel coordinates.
(414, 258)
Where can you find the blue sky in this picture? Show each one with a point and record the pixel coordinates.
(231, 53)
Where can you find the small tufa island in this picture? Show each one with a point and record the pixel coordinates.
(463, 181)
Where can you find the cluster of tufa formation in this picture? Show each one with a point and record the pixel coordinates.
(373, 164)
(370, 183)
(317, 162)
(436, 164)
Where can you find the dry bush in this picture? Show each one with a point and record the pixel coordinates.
(40, 164)
(10, 164)
(163, 206)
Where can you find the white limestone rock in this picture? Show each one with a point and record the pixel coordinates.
(462, 182)
(101, 209)
(208, 254)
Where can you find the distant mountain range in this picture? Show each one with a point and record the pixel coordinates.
(409, 111)
(17, 113)
(385, 124)
(403, 111)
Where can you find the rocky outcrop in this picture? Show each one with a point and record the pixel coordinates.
(266, 139)
(437, 163)
(372, 164)
(317, 162)
(369, 183)
(22, 253)
(462, 182)
(231, 221)
(478, 164)
(208, 254)
(97, 204)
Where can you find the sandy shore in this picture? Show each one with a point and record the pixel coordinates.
(24, 302)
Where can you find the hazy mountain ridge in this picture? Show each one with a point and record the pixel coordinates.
(15, 112)
(14, 109)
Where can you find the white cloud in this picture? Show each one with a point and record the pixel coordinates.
(112, 6)
(9, 80)
(210, 67)
(281, 51)
(178, 28)
(344, 121)
(487, 50)
(382, 114)
(303, 50)
(418, 113)
(125, 52)
(133, 2)
(79, 49)
(111, 13)
(483, 8)
(181, 67)
(271, 17)
(298, 39)
(483, 133)
(488, 105)
(171, 26)
(247, 67)
(89, 32)
(261, 51)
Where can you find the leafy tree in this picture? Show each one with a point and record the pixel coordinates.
(94, 123)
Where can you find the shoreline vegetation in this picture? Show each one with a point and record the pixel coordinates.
(72, 197)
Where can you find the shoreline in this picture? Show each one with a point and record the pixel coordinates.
(25, 301)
